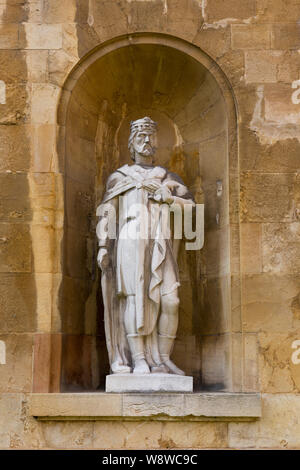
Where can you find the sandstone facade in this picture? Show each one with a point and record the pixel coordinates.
(230, 126)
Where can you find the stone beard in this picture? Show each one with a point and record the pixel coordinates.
(140, 274)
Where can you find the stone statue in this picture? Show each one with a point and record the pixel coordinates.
(139, 273)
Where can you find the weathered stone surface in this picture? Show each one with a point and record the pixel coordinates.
(153, 404)
(14, 187)
(53, 11)
(280, 157)
(15, 255)
(43, 36)
(193, 435)
(216, 10)
(278, 428)
(12, 12)
(17, 303)
(44, 103)
(269, 11)
(16, 374)
(267, 197)
(11, 425)
(16, 109)
(251, 248)
(251, 376)
(37, 65)
(14, 148)
(262, 66)
(268, 302)
(9, 36)
(281, 248)
(285, 36)
(60, 64)
(79, 404)
(13, 65)
(250, 36)
(215, 42)
(223, 404)
(74, 435)
(279, 373)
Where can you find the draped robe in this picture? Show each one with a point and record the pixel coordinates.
(144, 266)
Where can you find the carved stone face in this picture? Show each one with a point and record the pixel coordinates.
(144, 143)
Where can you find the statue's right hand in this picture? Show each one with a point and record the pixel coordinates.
(103, 259)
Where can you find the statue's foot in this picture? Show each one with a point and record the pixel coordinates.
(141, 367)
(117, 368)
(162, 369)
(172, 368)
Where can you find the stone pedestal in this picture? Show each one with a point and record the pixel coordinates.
(123, 383)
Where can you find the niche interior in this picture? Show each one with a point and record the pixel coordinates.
(179, 87)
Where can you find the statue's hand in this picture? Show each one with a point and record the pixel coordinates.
(163, 194)
(103, 259)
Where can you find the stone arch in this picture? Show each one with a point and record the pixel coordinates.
(183, 89)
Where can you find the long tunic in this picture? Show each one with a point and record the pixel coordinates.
(142, 258)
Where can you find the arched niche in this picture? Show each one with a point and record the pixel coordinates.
(181, 88)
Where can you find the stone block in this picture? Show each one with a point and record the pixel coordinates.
(15, 255)
(14, 148)
(279, 373)
(43, 249)
(193, 435)
(12, 13)
(280, 11)
(60, 64)
(251, 248)
(215, 306)
(252, 36)
(145, 435)
(215, 362)
(267, 302)
(42, 363)
(215, 42)
(216, 10)
(43, 147)
(267, 197)
(114, 434)
(16, 109)
(9, 36)
(286, 36)
(14, 200)
(153, 404)
(251, 371)
(68, 435)
(279, 157)
(37, 66)
(17, 303)
(43, 36)
(223, 405)
(78, 405)
(54, 11)
(262, 66)
(74, 296)
(13, 65)
(11, 426)
(16, 374)
(278, 427)
(281, 248)
(279, 107)
(44, 99)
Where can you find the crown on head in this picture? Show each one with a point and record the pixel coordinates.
(144, 124)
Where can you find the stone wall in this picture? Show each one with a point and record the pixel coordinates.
(254, 43)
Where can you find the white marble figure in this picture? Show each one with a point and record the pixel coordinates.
(140, 274)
